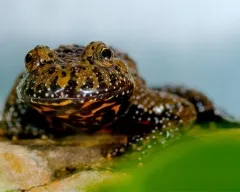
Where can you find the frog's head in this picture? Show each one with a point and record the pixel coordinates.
(86, 84)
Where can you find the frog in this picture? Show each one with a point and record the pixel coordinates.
(76, 89)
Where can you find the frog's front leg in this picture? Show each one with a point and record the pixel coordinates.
(20, 120)
(206, 110)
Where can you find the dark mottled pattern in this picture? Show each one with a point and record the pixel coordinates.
(75, 88)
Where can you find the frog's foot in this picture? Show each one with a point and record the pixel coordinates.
(131, 143)
(141, 143)
(113, 150)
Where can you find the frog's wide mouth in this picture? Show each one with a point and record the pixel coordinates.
(78, 98)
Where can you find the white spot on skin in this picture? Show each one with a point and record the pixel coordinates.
(158, 109)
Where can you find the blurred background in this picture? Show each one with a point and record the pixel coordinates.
(196, 43)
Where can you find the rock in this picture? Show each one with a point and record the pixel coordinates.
(54, 165)
(21, 168)
(78, 182)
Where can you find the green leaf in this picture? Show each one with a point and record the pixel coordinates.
(201, 161)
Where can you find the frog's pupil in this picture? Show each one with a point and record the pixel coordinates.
(107, 54)
(28, 58)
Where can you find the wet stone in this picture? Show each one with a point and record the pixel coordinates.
(54, 165)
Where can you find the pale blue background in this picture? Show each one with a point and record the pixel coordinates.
(173, 41)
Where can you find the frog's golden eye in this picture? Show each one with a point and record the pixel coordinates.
(107, 53)
(28, 58)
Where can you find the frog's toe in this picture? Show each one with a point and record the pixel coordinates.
(111, 151)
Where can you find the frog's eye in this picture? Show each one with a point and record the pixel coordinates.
(28, 58)
(107, 53)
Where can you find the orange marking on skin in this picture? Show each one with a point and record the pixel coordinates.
(63, 103)
(85, 116)
(69, 111)
(99, 118)
(44, 108)
(63, 116)
(116, 108)
(103, 106)
(88, 103)
(95, 110)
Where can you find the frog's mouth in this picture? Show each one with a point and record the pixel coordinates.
(87, 96)
(63, 97)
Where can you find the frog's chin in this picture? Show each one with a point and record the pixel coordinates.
(81, 98)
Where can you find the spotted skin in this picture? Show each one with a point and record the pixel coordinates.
(75, 89)
(206, 111)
